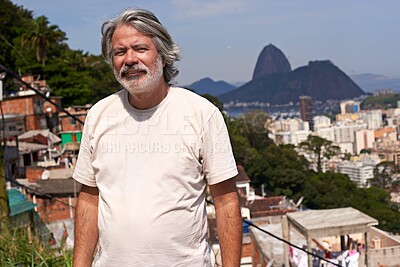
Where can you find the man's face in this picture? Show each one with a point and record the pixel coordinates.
(137, 64)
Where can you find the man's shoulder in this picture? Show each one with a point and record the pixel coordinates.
(107, 102)
(194, 100)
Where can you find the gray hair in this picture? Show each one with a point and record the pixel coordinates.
(147, 23)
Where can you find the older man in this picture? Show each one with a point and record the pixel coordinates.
(147, 154)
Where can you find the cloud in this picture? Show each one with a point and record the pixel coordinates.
(207, 8)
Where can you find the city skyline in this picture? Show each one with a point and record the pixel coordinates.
(222, 39)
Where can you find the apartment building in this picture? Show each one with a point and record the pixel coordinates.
(357, 172)
(364, 139)
(344, 135)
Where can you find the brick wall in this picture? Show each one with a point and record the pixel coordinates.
(51, 210)
(27, 105)
(19, 105)
(34, 174)
(69, 124)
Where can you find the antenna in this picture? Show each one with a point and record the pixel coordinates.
(299, 202)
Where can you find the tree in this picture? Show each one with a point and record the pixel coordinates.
(383, 175)
(40, 35)
(319, 148)
(254, 126)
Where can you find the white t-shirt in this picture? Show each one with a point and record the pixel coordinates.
(152, 167)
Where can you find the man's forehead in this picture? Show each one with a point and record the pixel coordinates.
(132, 27)
(126, 30)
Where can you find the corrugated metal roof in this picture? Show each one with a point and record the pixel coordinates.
(25, 148)
(58, 186)
(18, 202)
(46, 133)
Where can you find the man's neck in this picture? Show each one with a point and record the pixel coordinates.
(149, 99)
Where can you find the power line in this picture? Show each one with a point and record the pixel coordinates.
(37, 192)
(208, 201)
(290, 244)
(18, 52)
(40, 94)
(77, 119)
(283, 240)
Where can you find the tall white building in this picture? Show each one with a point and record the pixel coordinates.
(344, 135)
(322, 122)
(290, 131)
(326, 133)
(323, 128)
(290, 125)
(357, 172)
(292, 138)
(373, 118)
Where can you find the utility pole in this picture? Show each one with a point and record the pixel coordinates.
(3, 191)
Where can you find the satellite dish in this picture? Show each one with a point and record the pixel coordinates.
(45, 175)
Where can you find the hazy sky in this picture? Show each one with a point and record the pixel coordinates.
(222, 39)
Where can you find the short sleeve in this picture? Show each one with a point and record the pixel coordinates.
(83, 172)
(218, 161)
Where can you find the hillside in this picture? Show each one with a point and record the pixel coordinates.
(33, 46)
(209, 86)
(380, 102)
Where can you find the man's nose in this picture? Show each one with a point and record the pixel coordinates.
(131, 58)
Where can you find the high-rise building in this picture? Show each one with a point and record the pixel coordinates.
(306, 111)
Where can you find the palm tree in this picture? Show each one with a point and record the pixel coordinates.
(40, 36)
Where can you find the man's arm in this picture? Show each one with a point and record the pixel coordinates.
(86, 228)
(229, 221)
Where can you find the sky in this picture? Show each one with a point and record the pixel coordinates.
(222, 39)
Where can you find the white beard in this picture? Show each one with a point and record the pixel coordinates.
(148, 83)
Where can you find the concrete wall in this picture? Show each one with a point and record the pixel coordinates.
(389, 253)
(388, 257)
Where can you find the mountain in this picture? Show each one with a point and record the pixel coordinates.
(370, 82)
(208, 86)
(271, 60)
(321, 80)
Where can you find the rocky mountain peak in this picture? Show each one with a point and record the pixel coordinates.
(271, 60)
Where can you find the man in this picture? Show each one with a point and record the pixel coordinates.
(146, 156)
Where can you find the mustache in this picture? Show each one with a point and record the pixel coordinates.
(127, 68)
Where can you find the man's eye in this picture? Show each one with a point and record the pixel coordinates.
(118, 53)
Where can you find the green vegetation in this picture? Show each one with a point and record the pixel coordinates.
(283, 171)
(32, 46)
(380, 102)
(19, 248)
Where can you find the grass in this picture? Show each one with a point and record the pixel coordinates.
(18, 247)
